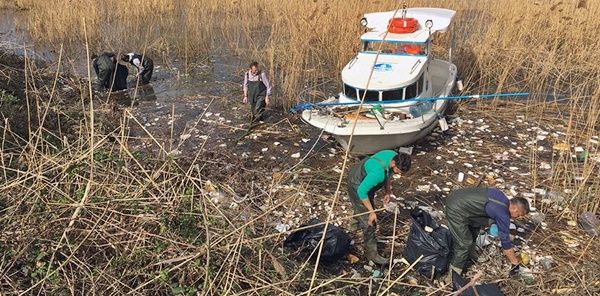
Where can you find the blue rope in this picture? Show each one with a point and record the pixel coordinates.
(311, 105)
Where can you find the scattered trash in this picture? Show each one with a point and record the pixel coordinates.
(525, 259)
(296, 155)
(352, 259)
(537, 218)
(391, 207)
(423, 188)
(526, 276)
(555, 196)
(582, 156)
(282, 227)
(494, 230)
(412, 280)
(546, 262)
(376, 273)
(209, 186)
(483, 240)
(589, 222)
(461, 177)
(368, 268)
(571, 243)
(561, 147)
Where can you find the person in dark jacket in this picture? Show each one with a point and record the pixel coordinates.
(104, 65)
(469, 209)
(364, 179)
(257, 91)
(143, 65)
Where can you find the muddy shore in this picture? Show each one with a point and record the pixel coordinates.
(289, 171)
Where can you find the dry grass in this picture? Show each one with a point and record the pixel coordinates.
(99, 217)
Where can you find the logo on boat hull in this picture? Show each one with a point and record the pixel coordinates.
(383, 67)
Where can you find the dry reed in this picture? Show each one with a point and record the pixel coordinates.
(148, 223)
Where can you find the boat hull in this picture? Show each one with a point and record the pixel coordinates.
(369, 144)
(370, 135)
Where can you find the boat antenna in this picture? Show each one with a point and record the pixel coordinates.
(404, 10)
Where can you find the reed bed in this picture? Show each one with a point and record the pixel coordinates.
(85, 213)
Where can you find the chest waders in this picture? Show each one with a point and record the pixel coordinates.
(146, 74)
(465, 214)
(105, 69)
(257, 91)
(355, 176)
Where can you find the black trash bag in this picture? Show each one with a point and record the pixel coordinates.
(435, 246)
(483, 290)
(120, 82)
(336, 245)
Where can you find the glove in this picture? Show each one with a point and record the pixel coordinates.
(515, 270)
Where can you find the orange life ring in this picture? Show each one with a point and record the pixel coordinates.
(402, 25)
(412, 49)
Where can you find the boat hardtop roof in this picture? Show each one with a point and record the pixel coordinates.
(378, 23)
(390, 72)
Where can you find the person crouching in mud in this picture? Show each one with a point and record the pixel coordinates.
(111, 75)
(469, 209)
(364, 179)
(144, 66)
(257, 91)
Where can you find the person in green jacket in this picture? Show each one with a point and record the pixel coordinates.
(364, 179)
(104, 66)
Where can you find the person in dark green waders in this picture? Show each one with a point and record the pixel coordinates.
(111, 75)
(257, 91)
(364, 179)
(469, 209)
(143, 65)
(104, 65)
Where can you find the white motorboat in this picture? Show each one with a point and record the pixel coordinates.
(401, 82)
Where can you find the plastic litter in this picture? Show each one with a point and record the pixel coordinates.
(546, 262)
(589, 222)
(494, 230)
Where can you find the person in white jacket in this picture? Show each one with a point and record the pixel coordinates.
(144, 65)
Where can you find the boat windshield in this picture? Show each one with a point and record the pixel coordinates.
(394, 48)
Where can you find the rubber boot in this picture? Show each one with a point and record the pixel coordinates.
(371, 247)
(353, 225)
(455, 269)
(373, 255)
(475, 257)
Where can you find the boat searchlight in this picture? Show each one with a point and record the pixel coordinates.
(428, 24)
(363, 21)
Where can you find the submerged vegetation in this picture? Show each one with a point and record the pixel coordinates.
(84, 211)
